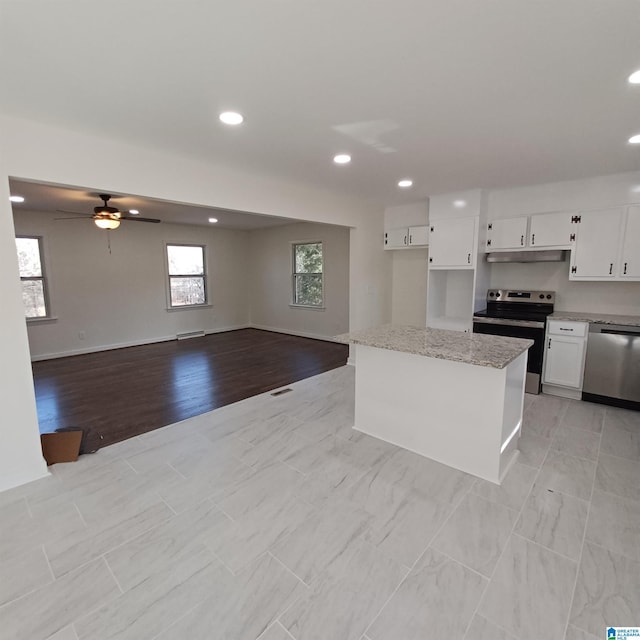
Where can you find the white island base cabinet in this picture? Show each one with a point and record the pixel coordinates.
(466, 416)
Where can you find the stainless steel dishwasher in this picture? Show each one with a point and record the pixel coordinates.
(612, 366)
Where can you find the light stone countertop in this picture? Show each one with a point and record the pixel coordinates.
(597, 318)
(470, 348)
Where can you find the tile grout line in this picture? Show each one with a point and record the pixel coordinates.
(295, 600)
(26, 502)
(113, 575)
(297, 577)
(46, 557)
(129, 464)
(175, 513)
(511, 534)
(84, 522)
(542, 546)
(386, 602)
(285, 630)
(584, 534)
(178, 619)
(176, 470)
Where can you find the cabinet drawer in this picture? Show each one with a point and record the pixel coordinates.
(568, 328)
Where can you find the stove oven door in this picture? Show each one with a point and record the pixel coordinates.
(536, 351)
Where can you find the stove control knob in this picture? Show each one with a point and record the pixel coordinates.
(548, 296)
(542, 296)
(491, 294)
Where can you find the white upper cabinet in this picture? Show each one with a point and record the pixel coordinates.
(419, 236)
(396, 238)
(405, 226)
(507, 233)
(596, 249)
(539, 231)
(629, 267)
(453, 243)
(550, 230)
(406, 237)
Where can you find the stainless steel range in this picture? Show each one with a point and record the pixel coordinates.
(519, 314)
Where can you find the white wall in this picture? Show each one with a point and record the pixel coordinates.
(271, 285)
(572, 196)
(45, 153)
(105, 299)
(20, 455)
(409, 287)
(621, 298)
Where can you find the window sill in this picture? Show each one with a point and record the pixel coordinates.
(187, 307)
(42, 320)
(306, 306)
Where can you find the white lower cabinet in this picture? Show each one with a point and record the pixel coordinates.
(565, 351)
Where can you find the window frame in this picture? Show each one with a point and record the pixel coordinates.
(204, 276)
(295, 274)
(44, 278)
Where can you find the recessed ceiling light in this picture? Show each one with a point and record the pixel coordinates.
(16, 198)
(405, 183)
(342, 158)
(134, 212)
(459, 204)
(213, 220)
(231, 117)
(634, 139)
(634, 78)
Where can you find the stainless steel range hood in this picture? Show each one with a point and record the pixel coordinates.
(556, 255)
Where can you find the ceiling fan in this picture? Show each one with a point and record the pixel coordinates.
(106, 217)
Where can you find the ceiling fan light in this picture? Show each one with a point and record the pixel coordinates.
(107, 223)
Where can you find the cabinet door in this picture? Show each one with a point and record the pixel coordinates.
(551, 230)
(418, 236)
(595, 253)
(452, 243)
(564, 361)
(630, 256)
(510, 233)
(396, 238)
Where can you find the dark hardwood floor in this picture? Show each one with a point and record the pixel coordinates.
(122, 393)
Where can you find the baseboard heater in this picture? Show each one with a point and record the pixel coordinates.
(190, 334)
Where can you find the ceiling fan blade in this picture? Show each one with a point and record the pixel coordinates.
(73, 218)
(89, 215)
(137, 219)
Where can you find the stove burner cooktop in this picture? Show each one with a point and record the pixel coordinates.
(512, 304)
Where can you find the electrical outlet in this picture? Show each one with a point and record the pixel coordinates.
(81, 335)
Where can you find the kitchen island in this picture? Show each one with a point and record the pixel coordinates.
(451, 396)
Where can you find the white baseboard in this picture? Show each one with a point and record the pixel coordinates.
(302, 334)
(138, 343)
(24, 477)
(562, 392)
(122, 345)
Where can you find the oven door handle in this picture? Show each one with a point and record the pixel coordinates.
(533, 324)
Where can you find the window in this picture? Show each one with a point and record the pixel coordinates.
(34, 285)
(307, 274)
(187, 279)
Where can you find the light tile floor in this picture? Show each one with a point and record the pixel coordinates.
(273, 519)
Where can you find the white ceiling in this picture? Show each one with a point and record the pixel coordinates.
(452, 93)
(58, 199)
